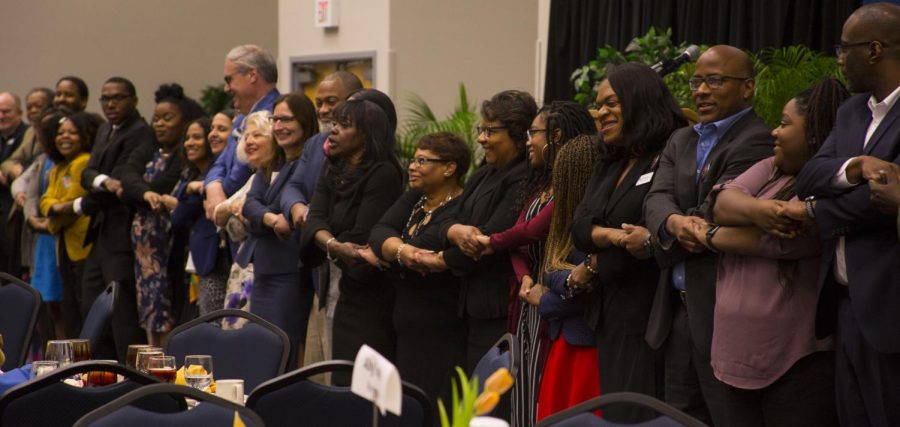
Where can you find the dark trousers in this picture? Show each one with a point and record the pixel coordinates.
(102, 267)
(690, 384)
(71, 274)
(483, 334)
(627, 363)
(803, 396)
(867, 381)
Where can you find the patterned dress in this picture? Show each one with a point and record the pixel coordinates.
(152, 242)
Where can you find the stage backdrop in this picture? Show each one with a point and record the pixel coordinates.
(579, 27)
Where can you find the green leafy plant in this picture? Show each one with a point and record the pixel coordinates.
(215, 99)
(647, 49)
(783, 72)
(467, 403)
(422, 121)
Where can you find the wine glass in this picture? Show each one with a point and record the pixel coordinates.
(198, 371)
(81, 350)
(131, 355)
(162, 367)
(42, 367)
(61, 351)
(143, 357)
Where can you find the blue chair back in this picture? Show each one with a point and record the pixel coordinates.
(581, 415)
(210, 411)
(293, 398)
(19, 306)
(47, 401)
(96, 323)
(501, 355)
(255, 353)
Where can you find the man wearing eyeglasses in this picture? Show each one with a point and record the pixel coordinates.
(728, 139)
(859, 280)
(250, 76)
(111, 257)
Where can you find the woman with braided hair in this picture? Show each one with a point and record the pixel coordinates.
(764, 343)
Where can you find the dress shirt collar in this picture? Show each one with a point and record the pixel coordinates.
(721, 126)
(880, 109)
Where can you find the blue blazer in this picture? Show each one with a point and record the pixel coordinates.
(871, 247)
(204, 240)
(276, 256)
(302, 182)
(565, 317)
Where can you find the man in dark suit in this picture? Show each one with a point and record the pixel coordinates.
(728, 139)
(861, 255)
(112, 258)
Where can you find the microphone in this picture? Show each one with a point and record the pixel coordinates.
(667, 66)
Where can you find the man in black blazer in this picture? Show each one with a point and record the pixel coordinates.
(860, 275)
(112, 258)
(728, 139)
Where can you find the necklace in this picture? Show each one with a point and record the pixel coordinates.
(413, 228)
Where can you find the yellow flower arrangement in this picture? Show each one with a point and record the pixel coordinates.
(471, 404)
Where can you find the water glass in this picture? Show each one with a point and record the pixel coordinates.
(198, 371)
(42, 367)
(143, 358)
(61, 351)
(162, 367)
(81, 350)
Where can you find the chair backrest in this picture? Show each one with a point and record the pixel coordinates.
(255, 353)
(47, 401)
(97, 320)
(501, 355)
(19, 306)
(293, 398)
(210, 411)
(581, 415)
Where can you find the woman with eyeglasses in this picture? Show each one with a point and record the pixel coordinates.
(431, 338)
(282, 291)
(489, 204)
(637, 114)
(361, 180)
(554, 125)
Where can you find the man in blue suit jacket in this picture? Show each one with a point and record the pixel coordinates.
(860, 276)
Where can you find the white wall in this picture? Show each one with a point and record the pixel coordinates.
(149, 42)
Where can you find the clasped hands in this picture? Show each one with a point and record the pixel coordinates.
(420, 260)
(884, 182)
(160, 202)
(470, 240)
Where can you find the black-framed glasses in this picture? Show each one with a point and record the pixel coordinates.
(714, 81)
(488, 130)
(282, 119)
(532, 132)
(840, 49)
(422, 161)
(117, 98)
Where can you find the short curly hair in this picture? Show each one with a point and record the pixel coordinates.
(516, 110)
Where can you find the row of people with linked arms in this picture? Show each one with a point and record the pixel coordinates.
(745, 275)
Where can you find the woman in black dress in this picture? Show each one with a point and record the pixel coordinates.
(637, 115)
(431, 338)
(362, 178)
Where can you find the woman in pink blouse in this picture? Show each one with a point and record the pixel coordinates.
(764, 344)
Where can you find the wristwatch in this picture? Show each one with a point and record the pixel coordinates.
(709, 236)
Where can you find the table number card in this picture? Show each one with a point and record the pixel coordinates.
(377, 380)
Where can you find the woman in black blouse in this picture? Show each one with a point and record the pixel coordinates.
(487, 206)
(637, 113)
(361, 180)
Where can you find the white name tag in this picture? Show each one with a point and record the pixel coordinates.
(645, 178)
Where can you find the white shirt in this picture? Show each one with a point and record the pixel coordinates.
(879, 111)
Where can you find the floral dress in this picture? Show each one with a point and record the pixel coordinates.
(151, 238)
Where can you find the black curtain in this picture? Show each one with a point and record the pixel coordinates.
(579, 27)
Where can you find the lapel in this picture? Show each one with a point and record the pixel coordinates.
(687, 171)
(283, 176)
(628, 183)
(883, 126)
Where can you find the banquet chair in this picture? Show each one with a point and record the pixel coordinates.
(210, 411)
(47, 401)
(255, 353)
(19, 306)
(582, 415)
(96, 325)
(294, 399)
(504, 354)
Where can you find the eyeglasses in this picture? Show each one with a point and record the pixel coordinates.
(713, 82)
(229, 77)
(114, 98)
(488, 130)
(840, 49)
(421, 161)
(282, 119)
(532, 132)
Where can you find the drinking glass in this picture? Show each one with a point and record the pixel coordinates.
(198, 371)
(131, 355)
(61, 351)
(162, 367)
(42, 367)
(143, 357)
(81, 350)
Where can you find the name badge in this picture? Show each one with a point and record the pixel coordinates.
(645, 178)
